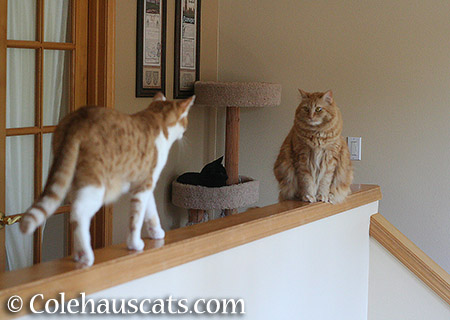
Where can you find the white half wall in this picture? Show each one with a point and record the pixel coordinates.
(316, 271)
(396, 293)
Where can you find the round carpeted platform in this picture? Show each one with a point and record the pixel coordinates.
(239, 195)
(237, 94)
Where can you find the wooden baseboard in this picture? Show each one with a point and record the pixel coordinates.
(411, 256)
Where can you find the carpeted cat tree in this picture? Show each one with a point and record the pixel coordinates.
(240, 191)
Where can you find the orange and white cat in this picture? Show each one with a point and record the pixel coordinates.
(314, 160)
(101, 154)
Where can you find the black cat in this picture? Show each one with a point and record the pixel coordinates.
(212, 175)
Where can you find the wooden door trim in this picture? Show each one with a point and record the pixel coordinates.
(101, 77)
(101, 58)
(3, 24)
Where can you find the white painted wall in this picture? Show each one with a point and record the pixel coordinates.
(396, 293)
(313, 272)
(316, 271)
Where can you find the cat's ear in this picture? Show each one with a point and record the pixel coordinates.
(328, 97)
(159, 97)
(303, 93)
(219, 160)
(185, 105)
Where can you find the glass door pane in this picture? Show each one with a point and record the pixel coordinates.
(57, 17)
(19, 196)
(47, 160)
(19, 173)
(19, 248)
(56, 86)
(21, 20)
(47, 156)
(54, 238)
(20, 88)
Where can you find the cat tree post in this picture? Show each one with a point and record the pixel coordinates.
(232, 148)
(233, 96)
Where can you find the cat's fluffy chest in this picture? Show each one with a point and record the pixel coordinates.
(316, 158)
(316, 139)
(313, 152)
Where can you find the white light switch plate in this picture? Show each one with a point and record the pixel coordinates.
(354, 146)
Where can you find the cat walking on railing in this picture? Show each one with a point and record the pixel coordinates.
(101, 154)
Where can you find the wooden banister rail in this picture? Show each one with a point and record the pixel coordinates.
(115, 265)
(411, 256)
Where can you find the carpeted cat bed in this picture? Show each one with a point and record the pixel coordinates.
(239, 195)
(237, 94)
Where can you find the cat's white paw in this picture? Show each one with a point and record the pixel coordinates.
(84, 259)
(309, 198)
(156, 233)
(334, 199)
(323, 197)
(76, 257)
(137, 245)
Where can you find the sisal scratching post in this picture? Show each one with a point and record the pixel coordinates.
(233, 96)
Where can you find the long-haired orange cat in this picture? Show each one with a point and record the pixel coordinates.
(314, 161)
(101, 154)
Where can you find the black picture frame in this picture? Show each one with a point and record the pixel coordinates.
(152, 83)
(179, 90)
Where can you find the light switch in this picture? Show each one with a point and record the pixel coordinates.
(354, 146)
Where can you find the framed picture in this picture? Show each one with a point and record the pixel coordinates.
(151, 47)
(187, 47)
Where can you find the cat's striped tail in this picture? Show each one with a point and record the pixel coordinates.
(58, 184)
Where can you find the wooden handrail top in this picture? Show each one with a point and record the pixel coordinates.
(115, 265)
(436, 278)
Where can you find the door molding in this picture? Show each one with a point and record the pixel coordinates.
(101, 88)
(3, 24)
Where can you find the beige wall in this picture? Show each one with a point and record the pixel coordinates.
(196, 148)
(388, 63)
